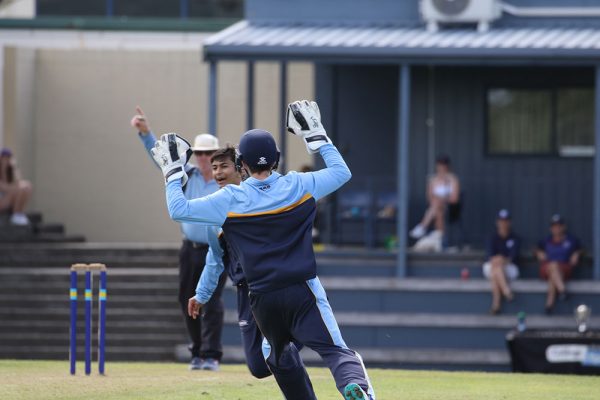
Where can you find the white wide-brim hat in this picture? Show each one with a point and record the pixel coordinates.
(205, 142)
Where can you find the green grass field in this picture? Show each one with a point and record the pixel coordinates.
(41, 380)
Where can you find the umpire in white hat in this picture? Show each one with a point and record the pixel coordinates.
(205, 332)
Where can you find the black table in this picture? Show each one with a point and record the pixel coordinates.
(555, 351)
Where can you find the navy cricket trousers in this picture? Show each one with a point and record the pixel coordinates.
(302, 313)
(251, 337)
(252, 340)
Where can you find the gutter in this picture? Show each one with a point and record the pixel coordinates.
(551, 12)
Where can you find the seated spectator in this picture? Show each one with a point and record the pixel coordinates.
(558, 254)
(443, 189)
(14, 191)
(500, 267)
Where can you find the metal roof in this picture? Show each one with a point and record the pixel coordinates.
(379, 43)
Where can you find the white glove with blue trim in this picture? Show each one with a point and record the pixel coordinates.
(171, 152)
(304, 119)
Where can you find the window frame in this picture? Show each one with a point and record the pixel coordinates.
(554, 89)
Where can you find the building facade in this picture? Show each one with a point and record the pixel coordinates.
(511, 100)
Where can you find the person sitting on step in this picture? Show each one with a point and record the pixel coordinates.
(15, 192)
(443, 189)
(502, 253)
(558, 254)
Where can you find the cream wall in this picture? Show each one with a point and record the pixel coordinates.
(69, 123)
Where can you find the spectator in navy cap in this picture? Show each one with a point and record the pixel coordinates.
(558, 254)
(14, 191)
(502, 253)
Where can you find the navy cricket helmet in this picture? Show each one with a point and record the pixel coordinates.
(258, 149)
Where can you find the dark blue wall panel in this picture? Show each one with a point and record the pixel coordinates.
(532, 187)
(453, 100)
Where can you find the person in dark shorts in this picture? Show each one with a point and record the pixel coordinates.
(558, 254)
(501, 265)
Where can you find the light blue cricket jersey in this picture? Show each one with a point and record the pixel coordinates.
(196, 187)
(267, 223)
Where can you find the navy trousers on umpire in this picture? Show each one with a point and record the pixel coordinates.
(302, 313)
(204, 332)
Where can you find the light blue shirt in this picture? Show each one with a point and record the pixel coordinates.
(212, 269)
(252, 196)
(196, 187)
(256, 196)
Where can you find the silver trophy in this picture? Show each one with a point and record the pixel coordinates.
(582, 315)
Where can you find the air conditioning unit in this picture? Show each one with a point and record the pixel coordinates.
(481, 12)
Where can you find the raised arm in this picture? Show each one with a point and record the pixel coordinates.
(142, 125)
(171, 153)
(328, 180)
(208, 210)
(304, 120)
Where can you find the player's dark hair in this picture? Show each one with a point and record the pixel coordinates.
(259, 168)
(224, 153)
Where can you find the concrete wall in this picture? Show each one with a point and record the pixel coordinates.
(18, 9)
(67, 112)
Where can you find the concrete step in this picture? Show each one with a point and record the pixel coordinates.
(35, 232)
(384, 330)
(376, 294)
(113, 254)
(331, 262)
(403, 317)
(448, 295)
(50, 228)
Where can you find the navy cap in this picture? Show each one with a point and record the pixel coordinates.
(557, 219)
(258, 148)
(504, 214)
(5, 152)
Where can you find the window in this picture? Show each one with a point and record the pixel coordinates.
(540, 121)
(143, 8)
(575, 122)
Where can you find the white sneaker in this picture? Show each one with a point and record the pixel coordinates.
(19, 219)
(418, 232)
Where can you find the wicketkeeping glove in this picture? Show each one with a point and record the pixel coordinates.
(304, 119)
(171, 153)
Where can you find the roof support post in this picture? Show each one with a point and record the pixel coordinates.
(110, 8)
(596, 211)
(249, 95)
(282, 115)
(212, 98)
(402, 157)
